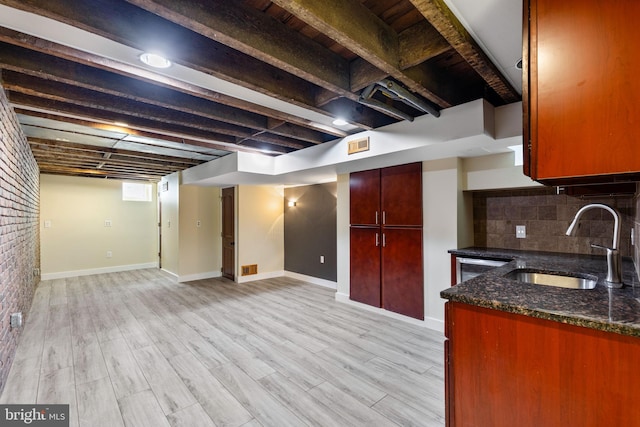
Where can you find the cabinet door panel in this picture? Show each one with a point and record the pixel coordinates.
(402, 272)
(507, 369)
(583, 108)
(365, 265)
(364, 197)
(401, 190)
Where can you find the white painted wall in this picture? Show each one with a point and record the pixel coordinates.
(343, 249)
(260, 229)
(76, 242)
(494, 172)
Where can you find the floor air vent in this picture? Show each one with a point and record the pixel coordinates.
(249, 269)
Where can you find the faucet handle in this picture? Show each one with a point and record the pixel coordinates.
(593, 245)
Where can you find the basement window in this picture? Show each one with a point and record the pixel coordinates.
(136, 192)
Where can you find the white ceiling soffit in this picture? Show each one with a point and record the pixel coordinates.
(466, 130)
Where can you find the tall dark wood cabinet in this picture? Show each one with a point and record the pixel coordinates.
(581, 90)
(386, 239)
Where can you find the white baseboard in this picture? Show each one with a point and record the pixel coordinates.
(429, 322)
(199, 276)
(312, 280)
(260, 276)
(102, 270)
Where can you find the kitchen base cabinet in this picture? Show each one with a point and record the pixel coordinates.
(505, 369)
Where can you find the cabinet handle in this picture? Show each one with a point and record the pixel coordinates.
(376, 217)
(377, 240)
(384, 217)
(384, 240)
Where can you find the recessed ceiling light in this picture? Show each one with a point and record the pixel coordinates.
(340, 122)
(155, 60)
(121, 124)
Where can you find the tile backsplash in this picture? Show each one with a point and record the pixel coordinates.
(546, 216)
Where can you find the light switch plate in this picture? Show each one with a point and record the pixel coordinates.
(521, 231)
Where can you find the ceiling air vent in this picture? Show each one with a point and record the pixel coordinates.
(358, 145)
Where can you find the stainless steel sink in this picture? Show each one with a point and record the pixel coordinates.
(561, 280)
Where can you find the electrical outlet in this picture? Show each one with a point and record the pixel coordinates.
(109, 254)
(47, 224)
(107, 223)
(198, 223)
(521, 231)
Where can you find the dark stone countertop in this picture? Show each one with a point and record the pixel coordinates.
(602, 308)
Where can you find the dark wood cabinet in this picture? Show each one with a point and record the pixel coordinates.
(386, 239)
(365, 265)
(505, 369)
(402, 275)
(364, 202)
(581, 90)
(401, 195)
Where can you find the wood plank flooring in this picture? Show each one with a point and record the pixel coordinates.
(139, 349)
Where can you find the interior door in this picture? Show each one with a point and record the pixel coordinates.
(228, 234)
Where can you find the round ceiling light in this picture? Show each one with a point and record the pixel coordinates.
(155, 60)
(340, 122)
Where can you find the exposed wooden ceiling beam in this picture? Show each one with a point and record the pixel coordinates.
(62, 71)
(74, 55)
(182, 139)
(353, 25)
(441, 17)
(142, 30)
(69, 148)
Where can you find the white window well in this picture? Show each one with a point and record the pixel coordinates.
(136, 192)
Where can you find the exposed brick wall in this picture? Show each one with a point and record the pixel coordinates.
(19, 230)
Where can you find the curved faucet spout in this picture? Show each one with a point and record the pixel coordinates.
(616, 219)
(614, 277)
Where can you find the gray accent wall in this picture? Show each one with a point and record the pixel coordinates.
(310, 230)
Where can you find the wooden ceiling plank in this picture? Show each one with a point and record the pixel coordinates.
(443, 20)
(353, 25)
(64, 156)
(93, 173)
(60, 70)
(292, 94)
(51, 90)
(176, 134)
(73, 148)
(258, 35)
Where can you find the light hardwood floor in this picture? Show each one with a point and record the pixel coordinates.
(139, 349)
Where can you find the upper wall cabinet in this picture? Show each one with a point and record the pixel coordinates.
(364, 204)
(389, 196)
(581, 90)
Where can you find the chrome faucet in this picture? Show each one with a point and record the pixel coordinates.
(613, 279)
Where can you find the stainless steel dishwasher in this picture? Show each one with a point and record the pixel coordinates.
(468, 268)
